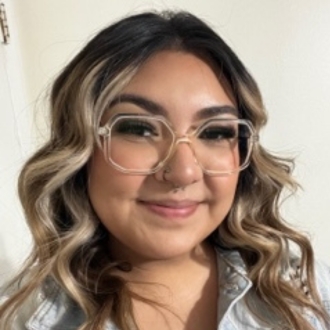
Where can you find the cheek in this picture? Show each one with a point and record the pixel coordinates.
(223, 191)
(110, 190)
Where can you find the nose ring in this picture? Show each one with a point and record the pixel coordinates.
(167, 170)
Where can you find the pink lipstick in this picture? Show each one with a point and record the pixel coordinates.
(172, 209)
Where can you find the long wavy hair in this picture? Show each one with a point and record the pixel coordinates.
(70, 243)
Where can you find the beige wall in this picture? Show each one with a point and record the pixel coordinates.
(285, 44)
(15, 127)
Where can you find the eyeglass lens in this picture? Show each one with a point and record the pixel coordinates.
(141, 144)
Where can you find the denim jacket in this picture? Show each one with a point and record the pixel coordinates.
(55, 311)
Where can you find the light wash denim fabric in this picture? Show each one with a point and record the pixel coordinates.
(58, 312)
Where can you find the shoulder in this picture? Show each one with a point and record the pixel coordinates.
(244, 304)
(56, 310)
(26, 311)
(322, 271)
(322, 277)
(49, 307)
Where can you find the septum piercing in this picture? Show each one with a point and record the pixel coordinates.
(176, 187)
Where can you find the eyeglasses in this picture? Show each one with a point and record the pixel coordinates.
(142, 144)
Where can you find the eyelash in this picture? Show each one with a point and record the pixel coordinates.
(224, 132)
(136, 126)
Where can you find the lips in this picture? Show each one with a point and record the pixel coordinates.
(172, 208)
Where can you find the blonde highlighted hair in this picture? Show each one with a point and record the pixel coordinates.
(70, 243)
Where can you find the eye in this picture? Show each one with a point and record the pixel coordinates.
(218, 133)
(135, 127)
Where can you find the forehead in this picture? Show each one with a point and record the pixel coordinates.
(172, 75)
(181, 83)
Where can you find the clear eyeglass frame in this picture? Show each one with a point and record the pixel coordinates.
(105, 132)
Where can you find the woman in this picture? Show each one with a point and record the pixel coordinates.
(152, 205)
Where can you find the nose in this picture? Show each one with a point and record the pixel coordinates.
(184, 168)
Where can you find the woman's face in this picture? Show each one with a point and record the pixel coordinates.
(146, 217)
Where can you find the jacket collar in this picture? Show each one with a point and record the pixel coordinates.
(233, 284)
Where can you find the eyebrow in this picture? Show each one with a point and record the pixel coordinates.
(157, 109)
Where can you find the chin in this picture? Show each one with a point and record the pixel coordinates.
(171, 250)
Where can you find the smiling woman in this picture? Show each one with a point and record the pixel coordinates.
(142, 212)
(153, 205)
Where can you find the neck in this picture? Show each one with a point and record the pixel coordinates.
(176, 275)
(179, 293)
